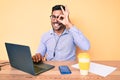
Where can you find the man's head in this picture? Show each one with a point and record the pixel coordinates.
(56, 12)
(58, 7)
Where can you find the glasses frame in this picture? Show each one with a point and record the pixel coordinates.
(53, 17)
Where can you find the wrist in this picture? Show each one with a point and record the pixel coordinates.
(69, 25)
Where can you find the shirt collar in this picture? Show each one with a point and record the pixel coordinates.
(52, 32)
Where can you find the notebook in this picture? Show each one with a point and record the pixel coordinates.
(20, 58)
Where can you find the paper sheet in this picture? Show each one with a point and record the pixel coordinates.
(99, 69)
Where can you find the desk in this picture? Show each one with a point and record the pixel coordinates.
(9, 73)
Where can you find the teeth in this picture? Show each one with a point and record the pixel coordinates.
(56, 24)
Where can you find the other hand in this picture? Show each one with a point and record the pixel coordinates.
(37, 57)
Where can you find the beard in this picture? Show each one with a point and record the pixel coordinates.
(57, 26)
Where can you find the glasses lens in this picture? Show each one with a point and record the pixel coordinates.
(53, 16)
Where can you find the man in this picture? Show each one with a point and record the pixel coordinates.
(60, 42)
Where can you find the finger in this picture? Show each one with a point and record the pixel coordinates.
(62, 9)
(38, 57)
(33, 58)
(66, 9)
(61, 17)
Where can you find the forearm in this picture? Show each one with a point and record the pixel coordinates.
(79, 39)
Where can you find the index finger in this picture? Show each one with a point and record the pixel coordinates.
(33, 58)
(62, 9)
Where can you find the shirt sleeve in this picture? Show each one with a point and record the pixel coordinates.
(80, 40)
(41, 48)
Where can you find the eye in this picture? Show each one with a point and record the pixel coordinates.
(61, 18)
(53, 16)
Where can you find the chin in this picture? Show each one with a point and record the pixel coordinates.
(56, 28)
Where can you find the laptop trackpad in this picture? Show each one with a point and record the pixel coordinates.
(42, 67)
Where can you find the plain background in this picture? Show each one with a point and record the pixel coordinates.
(25, 21)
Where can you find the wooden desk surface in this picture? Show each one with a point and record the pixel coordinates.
(9, 73)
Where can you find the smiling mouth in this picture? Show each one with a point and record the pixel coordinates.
(57, 24)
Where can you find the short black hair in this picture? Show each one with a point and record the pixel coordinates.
(57, 7)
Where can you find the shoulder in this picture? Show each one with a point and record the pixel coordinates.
(46, 36)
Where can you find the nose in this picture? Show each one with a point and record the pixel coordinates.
(55, 20)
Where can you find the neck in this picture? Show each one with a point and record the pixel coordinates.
(59, 32)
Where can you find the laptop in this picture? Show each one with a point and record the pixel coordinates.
(20, 58)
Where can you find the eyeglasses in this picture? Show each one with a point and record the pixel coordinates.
(53, 17)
